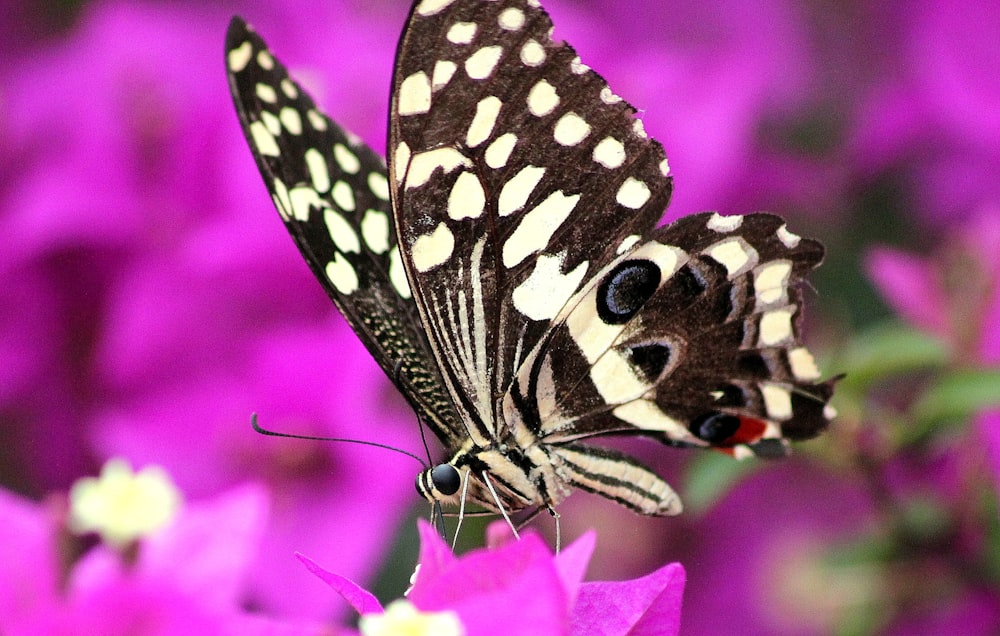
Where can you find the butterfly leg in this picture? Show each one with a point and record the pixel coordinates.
(461, 508)
(496, 498)
(437, 519)
(555, 517)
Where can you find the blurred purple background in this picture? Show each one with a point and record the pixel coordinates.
(151, 300)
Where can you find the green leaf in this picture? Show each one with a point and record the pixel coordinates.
(957, 396)
(887, 349)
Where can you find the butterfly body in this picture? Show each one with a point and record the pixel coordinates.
(506, 269)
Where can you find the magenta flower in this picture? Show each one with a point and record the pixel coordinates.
(518, 587)
(152, 299)
(928, 113)
(157, 568)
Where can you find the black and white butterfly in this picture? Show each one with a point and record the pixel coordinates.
(507, 273)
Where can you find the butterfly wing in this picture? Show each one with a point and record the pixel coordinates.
(487, 114)
(691, 337)
(332, 193)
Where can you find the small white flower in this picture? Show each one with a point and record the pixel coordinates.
(122, 506)
(401, 618)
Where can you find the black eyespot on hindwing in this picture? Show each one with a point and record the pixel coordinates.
(714, 427)
(626, 289)
(650, 359)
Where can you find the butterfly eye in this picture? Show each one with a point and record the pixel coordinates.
(625, 290)
(446, 479)
(714, 428)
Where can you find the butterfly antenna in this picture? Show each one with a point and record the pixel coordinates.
(263, 431)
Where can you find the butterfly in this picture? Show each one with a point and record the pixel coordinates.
(507, 272)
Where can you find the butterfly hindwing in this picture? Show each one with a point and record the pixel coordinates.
(332, 192)
(508, 157)
(691, 337)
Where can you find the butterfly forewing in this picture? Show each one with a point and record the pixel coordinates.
(517, 174)
(331, 191)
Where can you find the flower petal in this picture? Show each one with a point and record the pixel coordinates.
(650, 605)
(363, 601)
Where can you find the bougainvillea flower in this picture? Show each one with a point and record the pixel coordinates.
(184, 574)
(518, 587)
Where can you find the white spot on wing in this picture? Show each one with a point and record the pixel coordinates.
(431, 250)
(467, 198)
(271, 121)
(724, 224)
(342, 275)
(777, 401)
(397, 274)
(546, 290)
(282, 200)
(430, 7)
(532, 53)
(802, 363)
(665, 167)
(379, 185)
(375, 231)
(401, 161)
(316, 119)
(443, 71)
(633, 193)
(542, 98)
(608, 97)
(343, 196)
(735, 254)
(266, 93)
(770, 281)
(515, 192)
(480, 64)
(414, 95)
(535, 229)
(318, 172)
(239, 57)
(578, 67)
(627, 243)
(571, 129)
(263, 140)
(347, 160)
(343, 235)
(291, 120)
(511, 19)
(787, 238)
(498, 152)
(303, 199)
(289, 89)
(610, 153)
(265, 60)
(461, 32)
(423, 165)
(775, 327)
(483, 122)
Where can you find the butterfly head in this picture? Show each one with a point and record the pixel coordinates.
(439, 482)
